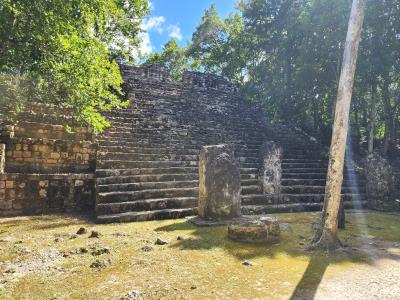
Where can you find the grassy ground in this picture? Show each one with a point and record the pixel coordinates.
(42, 258)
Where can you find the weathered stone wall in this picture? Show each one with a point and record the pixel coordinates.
(44, 193)
(47, 169)
(50, 156)
(155, 72)
(271, 168)
(206, 81)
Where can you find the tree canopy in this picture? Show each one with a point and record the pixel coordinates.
(64, 52)
(287, 56)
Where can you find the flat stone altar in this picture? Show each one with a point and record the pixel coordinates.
(264, 230)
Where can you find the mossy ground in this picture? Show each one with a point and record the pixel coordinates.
(205, 264)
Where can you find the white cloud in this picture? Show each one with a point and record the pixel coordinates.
(174, 31)
(150, 24)
(154, 24)
(145, 47)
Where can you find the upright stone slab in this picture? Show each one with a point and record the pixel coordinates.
(2, 158)
(271, 168)
(381, 184)
(219, 183)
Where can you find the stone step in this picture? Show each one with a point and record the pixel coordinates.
(147, 178)
(113, 197)
(137, 133)
(146, 171)
(289, 153)
(303, 160)
(308, 165)
(249, 176)
(320, 175)
(317, 182)
(248, 182)
(250, 165)
(250, 189)
(183, 150)
(126, 164)
(130, 186)
(304, 157)
(166, 142)
(312, 175)
(304, 189)
(303, 170)
(145, 157)
(144, 144)
(146, 205)
(147, 215)
(249, 171)
(292, 207)
(102, 155)
(256, 199)
(163, 148)
(245, 179)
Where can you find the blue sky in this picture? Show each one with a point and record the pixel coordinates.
(177, 19)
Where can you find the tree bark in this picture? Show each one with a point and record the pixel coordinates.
(388, 113)
(326, 236)
(372, 119)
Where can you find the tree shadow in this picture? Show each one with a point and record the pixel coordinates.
(294, 242)
(53, 221)
(311, 279)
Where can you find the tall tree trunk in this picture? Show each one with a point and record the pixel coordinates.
(372, 119)
(326, 236)
(388, 113)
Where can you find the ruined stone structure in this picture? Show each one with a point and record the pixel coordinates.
(145, 166)
(47, 169)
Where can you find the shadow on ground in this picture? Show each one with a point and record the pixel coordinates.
(362, 238)
(55, 221)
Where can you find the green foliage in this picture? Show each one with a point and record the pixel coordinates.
(63, 53)
(287, 55)
(220, 45)
(174, 57)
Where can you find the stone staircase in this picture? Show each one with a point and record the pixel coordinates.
(304, 169)
(147, 162)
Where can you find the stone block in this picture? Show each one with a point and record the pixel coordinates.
(219, 183)
(17, 154)
(42, 193)
(259, 231)
(271, 168)
(43, 183)
(10, 194)
(5, 204)
(381, 184)
(26, 154)
(9, 184)
(55, 155)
